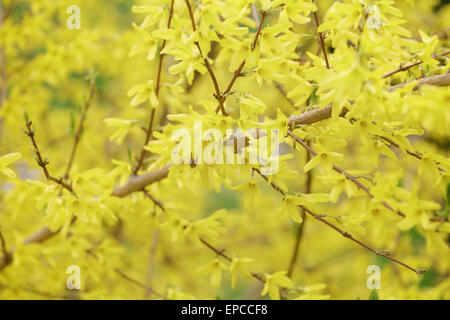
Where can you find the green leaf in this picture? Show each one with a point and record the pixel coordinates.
(374, 295)
(27, 120)
(429, 279)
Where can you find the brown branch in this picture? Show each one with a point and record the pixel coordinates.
(6, 255)
(148, 136)
(39, 236)
(226, 257)
(137, 183)
(409, 66)
(319, 114)
(411, 153)
(134, 184)
(344, 233)
(43, 163)
(322, 40)
(344, 173)
(79, 130)
(217, 251)
(218, 95)
(312, 116)
(238, 71)
(149, 131)
(441, 80)
(154, 200)
(139, 284)
(404, 68)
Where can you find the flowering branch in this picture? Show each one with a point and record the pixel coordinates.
(238, 71)
(344, 173)
(322, 40)
(226, 257)
(43, 163)
(342, 232)
(149, 129)
(441, 80)
(137, 183)
(409, 66)
(218, 95)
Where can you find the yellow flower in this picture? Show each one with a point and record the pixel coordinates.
(123, 128)
(274, 282)
(239, 265)
(324, 158)
(142, 93)
(7, 160)
(214, 268)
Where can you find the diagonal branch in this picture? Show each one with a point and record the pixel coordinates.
(322, 40)
(238, 71)
(441, 80)
(139, 284)
(344, 173)
(218, 95)
(342, 232)
(221, 253)
(79, 130)
(43, 163)
(409, 66)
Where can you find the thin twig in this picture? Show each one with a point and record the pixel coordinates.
(139, 284)
(218, 95)
(79, 130)
(344, 173)
(6, 255)
(43, 163)
(440, 80)
(344, 233)
(322, 40)
(238, 71)
(155, 201)
(149, 130)
(226, 257)
(409, 66)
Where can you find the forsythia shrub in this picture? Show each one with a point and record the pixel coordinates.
(358, 91)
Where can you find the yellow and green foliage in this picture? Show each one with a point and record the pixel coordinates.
(360, 94)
